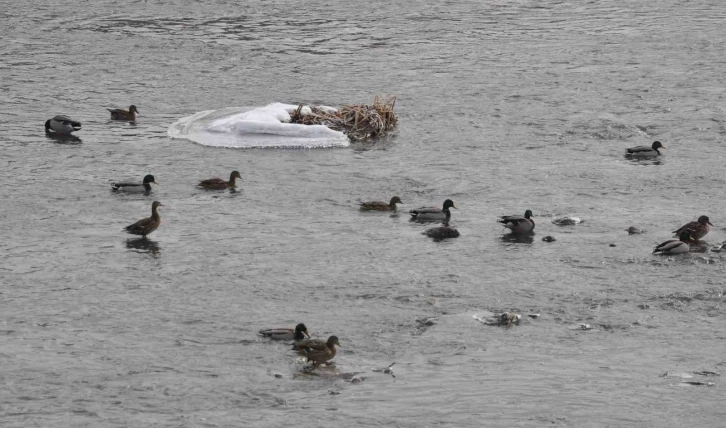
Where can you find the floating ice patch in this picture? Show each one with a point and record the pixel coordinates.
(258, 127)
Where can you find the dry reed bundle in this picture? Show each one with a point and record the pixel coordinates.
(359, 122)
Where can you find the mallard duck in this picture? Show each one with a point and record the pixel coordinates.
(380, 205)
(144, 186)
(676, 246)
(145, 226)
(121, 114)
(219, 184)
(698, 229)
(518, 224)
(298, 333)
(645, 151)
(62, 125)
(317, 351)
(430, 214)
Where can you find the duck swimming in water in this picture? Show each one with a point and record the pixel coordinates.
(62, 125)
(432, 214)
(380, 205)
(698, 228)
(147, 225)
(298, 333)
(675, 246)
(219, 184)
(143, 187)
(645, 151)
(121, 114)
(518, 224)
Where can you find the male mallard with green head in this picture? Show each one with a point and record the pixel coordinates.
(380, 205)
(431, 214)
(518, 224)
(147, 225)
(698, 228)
(219, 184)
(62, 125)
(317, 351)
(121, 114)
(298, 333)
(144, 186)
(676, 246)
(645, 151)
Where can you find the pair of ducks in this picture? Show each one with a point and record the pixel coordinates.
(62, 124)
(516, 223)
(147, 225)
(145, 185)
(315, 350)
(688, 234)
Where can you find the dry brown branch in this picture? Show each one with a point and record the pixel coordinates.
(359, 122)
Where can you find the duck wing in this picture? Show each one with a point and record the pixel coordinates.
(278, 333)
(127, 185)
(374, 206)
(310, 345)
(142, 227)
(668, 246)
(688, 226)
(213, 182)
(513, 219)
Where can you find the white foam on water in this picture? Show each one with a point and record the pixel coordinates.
(255, 127)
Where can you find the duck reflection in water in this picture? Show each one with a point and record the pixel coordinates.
(143, 245)
(64, 138)
(517, 238)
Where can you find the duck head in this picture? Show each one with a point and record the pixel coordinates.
(155, 205)
(657, 145)
(333, 340)
(132, 109)
(395, 200)
(685, 236)
(704, 220)
(449, 204)
(301, 331)
(528, 214)
(150, 179)
(235, 174)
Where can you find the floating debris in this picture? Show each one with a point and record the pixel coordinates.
(533, 315)
(633, 230)
(505, 319)
(387, 370)
(566, 220)
(359, 122)
(549, 239)
(426, 322)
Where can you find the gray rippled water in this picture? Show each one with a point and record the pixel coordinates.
(503, 107)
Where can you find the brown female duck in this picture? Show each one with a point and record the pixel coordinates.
(298, 333)
(698, 229)
(380, 205)
(121, 114)
(145, 226)
(317, 351)
(219, 184)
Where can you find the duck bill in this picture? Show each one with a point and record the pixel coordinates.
(306, 334)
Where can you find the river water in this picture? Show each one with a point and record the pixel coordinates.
(503, 106)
